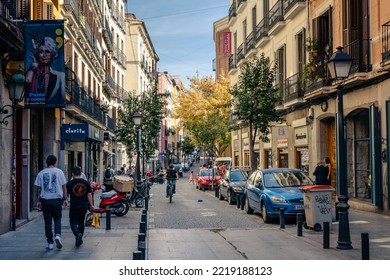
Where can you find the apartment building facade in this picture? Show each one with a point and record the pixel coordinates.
(82, 132)
(300, 36)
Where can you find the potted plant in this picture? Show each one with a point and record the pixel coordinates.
(104, 107)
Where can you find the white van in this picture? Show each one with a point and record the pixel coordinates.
(227, 161)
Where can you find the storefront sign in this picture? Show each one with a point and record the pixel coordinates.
(227, 43)
(75, 132)
(301, 136)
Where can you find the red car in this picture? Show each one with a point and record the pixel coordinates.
(205, 179)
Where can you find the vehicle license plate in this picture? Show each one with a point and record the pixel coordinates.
(299, 207)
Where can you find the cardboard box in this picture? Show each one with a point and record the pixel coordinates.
(123, 184)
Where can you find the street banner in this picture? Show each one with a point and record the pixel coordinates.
(44, 64)
(227, 43)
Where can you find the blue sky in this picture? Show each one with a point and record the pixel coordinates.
(182, 33)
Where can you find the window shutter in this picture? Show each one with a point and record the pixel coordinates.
(48, 11)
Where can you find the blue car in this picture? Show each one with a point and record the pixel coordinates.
(269, 190)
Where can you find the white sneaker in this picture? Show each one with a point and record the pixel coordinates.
(50, 246)
(58, 241)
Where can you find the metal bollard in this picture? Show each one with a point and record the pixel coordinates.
(137, 255)
(147, 202)
(299, 224)
(238, 199)
(144, 218)
(142, 244)
(365, 246)
(142, 227)
(326, 235)
(108, 219)
(337, 212)
(282, 218)
(216, 189)
(242, 198)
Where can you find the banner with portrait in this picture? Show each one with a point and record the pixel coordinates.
(44, 64)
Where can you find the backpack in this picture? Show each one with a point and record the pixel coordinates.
(107, 173)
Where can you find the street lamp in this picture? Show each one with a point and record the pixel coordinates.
(15, 91)
(137, 118)
(339, 66)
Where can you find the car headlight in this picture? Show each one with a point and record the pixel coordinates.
(277, 199)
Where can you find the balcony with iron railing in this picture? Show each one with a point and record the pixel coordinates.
(107, 35)
(109, 86)
(276, 17)
(240, 5)
(292, 7)
(250, 44)
(119, 55)
(87, 109)
(232, 11)
(11, 35)
(293, 89)
(359, 50)
(232, 62)
(386, 42)
(240, 53)
(262, 28)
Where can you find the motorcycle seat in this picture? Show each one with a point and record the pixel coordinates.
(108, 194)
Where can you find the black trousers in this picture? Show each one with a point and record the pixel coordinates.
(76, 219)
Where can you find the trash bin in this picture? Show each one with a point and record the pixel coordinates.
(318, 206)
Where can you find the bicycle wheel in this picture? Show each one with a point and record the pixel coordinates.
(170, 193)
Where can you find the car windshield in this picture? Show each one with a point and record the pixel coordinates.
(286, 179)
(207, 172)
(237, 176)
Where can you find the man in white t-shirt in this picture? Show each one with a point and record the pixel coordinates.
(51, 182)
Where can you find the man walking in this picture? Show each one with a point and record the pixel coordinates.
(321, 172)
(80, 194)
(52, 194)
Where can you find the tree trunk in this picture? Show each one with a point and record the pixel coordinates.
(252, 155)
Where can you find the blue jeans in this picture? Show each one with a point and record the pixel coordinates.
(52, 210)
(173, 183)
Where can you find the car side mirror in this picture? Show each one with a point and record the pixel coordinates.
(259, 184)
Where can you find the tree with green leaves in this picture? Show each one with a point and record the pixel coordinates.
(187, 146)
(150, 104)
(203, 110)
(254, 100)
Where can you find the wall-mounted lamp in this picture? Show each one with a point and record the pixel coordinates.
(16, 92)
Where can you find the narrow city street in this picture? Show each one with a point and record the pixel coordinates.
(199, 226)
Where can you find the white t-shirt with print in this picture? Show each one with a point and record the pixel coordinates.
(51, 180)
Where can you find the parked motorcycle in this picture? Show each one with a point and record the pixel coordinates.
(115, 201)
(119, 202)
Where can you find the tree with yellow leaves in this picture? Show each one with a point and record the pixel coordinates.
(204, 111)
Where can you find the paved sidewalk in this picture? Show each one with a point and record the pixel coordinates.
(28, 242)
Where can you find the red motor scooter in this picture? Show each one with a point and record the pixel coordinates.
(117, 202)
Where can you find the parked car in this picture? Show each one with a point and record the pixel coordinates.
(269, 190)
(232, 184)
(206, 178)
(178, 169)
(185, 166)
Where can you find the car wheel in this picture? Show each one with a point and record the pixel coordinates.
(220, 196)
(264, 214)
(230, 198)
(247, 208)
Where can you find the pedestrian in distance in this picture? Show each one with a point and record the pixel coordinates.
(51, 183)
(80, 194)
(321, 172)
(329, 166)
(191, 180)
(108, 178)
